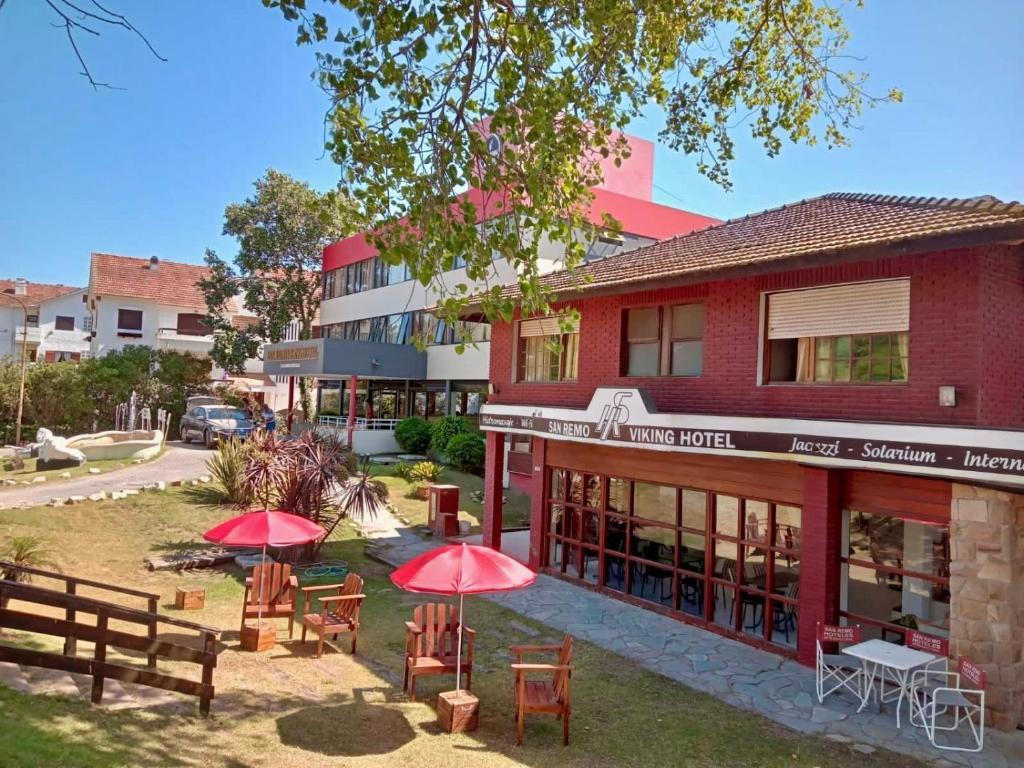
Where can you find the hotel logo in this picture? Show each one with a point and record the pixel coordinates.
(614, 415)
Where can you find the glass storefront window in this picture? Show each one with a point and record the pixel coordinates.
(618, 495)
(557, 490)
(726, 515)
(695, 509)
(755, 521)
(895, 573)
(654, 502)
(592, 491)
(743, 575)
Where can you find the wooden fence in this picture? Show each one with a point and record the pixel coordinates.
(26, 616)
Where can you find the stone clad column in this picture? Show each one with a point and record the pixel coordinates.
(986, 586)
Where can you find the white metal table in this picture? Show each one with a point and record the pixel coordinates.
(879, 655)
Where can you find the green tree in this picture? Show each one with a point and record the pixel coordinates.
(411, 84)
(281, 232)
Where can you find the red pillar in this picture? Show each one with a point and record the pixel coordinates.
(538, 494)
(291, 402)
(820, 545)
(353, 402)
(494, 470)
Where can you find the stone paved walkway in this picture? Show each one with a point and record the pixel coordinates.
(740, 675)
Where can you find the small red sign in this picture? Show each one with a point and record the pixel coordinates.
(972, 673)
(920, 641)
(830, 633)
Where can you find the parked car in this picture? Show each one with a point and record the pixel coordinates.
(195, 400)
(211, 423)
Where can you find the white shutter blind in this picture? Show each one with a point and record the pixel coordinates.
(838, 310)
(540, 326)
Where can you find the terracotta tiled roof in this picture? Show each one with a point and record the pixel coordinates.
(171, 283)
(819, 227)
(36, 292)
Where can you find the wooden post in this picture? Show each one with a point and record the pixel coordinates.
(291, 402)
(353, 401)
(70, 643)
(494, 468)
(538, 503)
(209, 646)
(151, 633)
(99, 656)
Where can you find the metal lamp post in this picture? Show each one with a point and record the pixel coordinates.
(24, 363)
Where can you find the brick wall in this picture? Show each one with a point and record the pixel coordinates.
(1001, 348)
(966, 310)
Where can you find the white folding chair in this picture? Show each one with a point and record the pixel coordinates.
(833, 671)
(933, 692)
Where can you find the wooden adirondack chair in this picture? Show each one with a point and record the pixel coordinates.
(338, 612)
(273, 586)
(432, 645)
(543, 696)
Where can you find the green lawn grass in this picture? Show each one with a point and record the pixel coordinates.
(286, 708)
(516, 512)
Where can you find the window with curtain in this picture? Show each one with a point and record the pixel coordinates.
(857, 333)
(545, 352)
(664, 341)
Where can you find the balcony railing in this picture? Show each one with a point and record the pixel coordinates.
(341, 422)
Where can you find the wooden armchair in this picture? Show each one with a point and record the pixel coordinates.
(338, 612)
(432, 645)
(270, 591)
(543, 696)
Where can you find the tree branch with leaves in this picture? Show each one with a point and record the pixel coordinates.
(89, 17)
(276, 275)
(417, 88)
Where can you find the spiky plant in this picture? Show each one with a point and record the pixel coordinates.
(227, 467)
(25, 551)
(264, 467)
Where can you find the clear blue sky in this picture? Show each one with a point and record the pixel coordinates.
(148, 170)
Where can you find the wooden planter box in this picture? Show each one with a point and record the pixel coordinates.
(189, 598)
(457, 711)
(258, 637)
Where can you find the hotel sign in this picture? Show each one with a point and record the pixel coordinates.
(626, 417)
(289, 353)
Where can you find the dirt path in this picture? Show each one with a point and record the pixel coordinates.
(178, 462)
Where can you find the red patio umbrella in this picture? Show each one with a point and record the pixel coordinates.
(462, 569)
(265, 528)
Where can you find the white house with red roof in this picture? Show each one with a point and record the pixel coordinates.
(157, 303)
(50, 320)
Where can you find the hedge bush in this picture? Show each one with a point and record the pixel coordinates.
(466, 452)
(445, 429)
(413, 435)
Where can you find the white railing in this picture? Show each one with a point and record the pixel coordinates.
(341, 422)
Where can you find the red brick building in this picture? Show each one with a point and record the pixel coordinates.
(815, 413)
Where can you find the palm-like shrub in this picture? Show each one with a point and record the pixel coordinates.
(227, 467)
(26, 551)
(314, 476)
